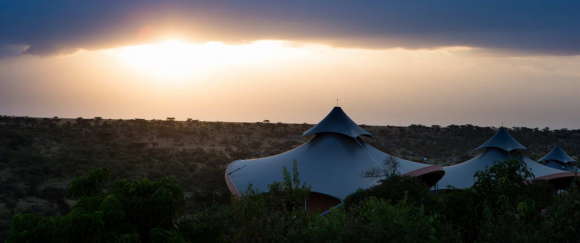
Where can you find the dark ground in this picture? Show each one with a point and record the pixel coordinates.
(39, 156)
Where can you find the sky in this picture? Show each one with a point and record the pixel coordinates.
(490, 63)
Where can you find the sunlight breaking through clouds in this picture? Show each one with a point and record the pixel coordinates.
(177, 59)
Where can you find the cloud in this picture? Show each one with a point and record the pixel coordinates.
(523, 26)
(12, 50)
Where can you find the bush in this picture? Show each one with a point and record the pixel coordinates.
(207, 225)
(31, 228)
(89, 185)
(378, 220)
(125, 211)
(562, 222)
(502, 207)
(394, 189)
(460, 211)
(505, 185)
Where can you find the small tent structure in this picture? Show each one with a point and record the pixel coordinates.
(501, 147)
(333, 164)
(558, 158)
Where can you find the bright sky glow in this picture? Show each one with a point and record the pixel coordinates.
(177, 59)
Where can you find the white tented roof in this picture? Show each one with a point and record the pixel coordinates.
(557, 165)
(496, 150)
(502, 140)
(334, 162)
(557, 154)
(337, 122)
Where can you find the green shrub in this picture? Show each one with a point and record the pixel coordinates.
(508, 183)
(562, 220)
(394, 189)
(502, 207)
(89, 185)
(459, 211)
(208, 225)
(125, 211)
(28, 228)
(328, 228)
(377, 220)
(520, 224)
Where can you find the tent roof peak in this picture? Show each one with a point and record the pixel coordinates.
(338, 122)
(558, 154)
(502, 140)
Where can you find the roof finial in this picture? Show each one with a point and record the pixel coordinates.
(337, 102)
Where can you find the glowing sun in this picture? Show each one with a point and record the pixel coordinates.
(177, 59)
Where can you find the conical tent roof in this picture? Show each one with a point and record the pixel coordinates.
(557, 154)
(558, 159)
(337, 122)
(502, 140)
(496, 150)
(333, 162)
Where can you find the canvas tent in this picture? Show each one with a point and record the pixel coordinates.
(334, 163)
(501, 147)
(558, 158)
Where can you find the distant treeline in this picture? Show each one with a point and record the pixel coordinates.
(435, 144)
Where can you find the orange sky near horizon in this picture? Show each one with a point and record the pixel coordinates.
(295, 82)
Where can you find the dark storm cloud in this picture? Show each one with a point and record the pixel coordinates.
(527, 26)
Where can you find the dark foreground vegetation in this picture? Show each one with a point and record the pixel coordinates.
(39, 157)
(501, 207)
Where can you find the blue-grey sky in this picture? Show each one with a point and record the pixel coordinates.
(485, 62)
(528, 26)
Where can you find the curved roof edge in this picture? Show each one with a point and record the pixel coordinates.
(558, 180)
(231, 185)
(424, 171)
(434, 172)
(554, 176)
(338, 122)
(558, 154)
(502, 140)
